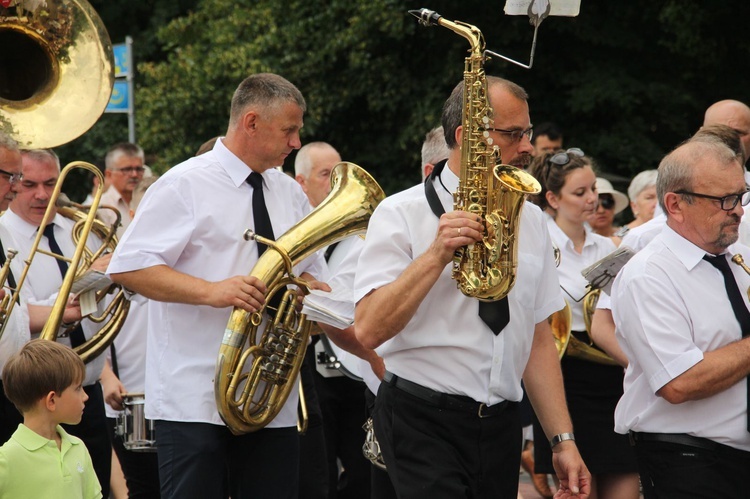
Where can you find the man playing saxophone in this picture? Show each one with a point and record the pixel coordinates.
(184, 251)
(446, 415)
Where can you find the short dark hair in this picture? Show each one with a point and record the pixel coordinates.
(265, 90)
(40, 367)
(453, 107)
(551, 130)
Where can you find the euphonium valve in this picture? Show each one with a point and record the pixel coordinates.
(255, 375)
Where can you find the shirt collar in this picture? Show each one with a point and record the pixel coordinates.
(234, 166)
(449, 179)
(113, 193)
(688, 253)
(21, 227)
(561, 238)
(32, 441)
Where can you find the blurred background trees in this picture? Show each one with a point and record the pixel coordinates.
(626, 81)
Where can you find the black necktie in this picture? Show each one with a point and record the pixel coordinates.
(263, 225)
(738, 304)
(329, 250)
(496, 314)
(76, 335)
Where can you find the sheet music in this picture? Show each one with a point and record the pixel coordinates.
(602, 273)
(335, 308)
(570, 8)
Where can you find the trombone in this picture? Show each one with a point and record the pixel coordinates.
(118, 306)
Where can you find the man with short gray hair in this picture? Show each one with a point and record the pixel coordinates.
(184, 251)
(681, 316)
(125, 168)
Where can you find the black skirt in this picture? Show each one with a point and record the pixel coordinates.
(592, 391)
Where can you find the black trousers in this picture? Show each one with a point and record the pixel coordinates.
(436, 453)
(141, 469)
(313, 465)
(205, 461)
(342, 401)
(676, 471)
(94, 432)
(380, 482)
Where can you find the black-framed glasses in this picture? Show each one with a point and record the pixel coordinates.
(129, 170)
(513, 135)
(562, 158)
(606, 201)
(13, 178)
(727, 202)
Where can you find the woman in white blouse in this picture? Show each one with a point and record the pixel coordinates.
(569, 195)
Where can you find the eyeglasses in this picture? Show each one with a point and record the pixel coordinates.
(129, 170)
(727, 202)
(606, 201)
(13, 178)
(562, 158)
(514, 135)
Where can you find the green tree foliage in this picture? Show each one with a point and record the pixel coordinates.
(627, 81)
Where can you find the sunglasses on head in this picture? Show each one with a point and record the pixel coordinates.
(606, 201)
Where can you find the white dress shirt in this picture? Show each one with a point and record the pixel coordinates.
(112, 197)
(16, 332)
(638, 237)
(44, 280)
(446, 346)
(572, 282)
(670, 306)
(193, 220)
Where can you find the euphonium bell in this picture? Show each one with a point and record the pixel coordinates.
(254, 376)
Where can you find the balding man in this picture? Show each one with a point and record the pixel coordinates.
(312, 169)
(733, 114)
(681, 313)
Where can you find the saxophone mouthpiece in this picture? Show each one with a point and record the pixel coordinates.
(426, 17)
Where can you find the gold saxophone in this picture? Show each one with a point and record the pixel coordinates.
(254, 376)
(493, 191)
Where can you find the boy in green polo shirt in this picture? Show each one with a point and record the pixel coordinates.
(41, 460)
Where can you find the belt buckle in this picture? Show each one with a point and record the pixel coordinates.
(479, 412)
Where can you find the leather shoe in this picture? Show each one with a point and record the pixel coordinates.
(539, 480)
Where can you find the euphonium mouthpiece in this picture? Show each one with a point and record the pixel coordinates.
(249, 235)
(426, 17)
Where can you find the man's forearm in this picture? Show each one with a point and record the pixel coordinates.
(161, 283)
(544, 384)
(383, 313)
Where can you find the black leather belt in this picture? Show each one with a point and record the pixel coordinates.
(675, 438)
(445, 400)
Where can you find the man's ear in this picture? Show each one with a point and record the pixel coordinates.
(673, 207)
(250, 121)
(458, 135)
(301, 181)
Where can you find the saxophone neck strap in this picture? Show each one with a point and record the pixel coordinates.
(429, 190)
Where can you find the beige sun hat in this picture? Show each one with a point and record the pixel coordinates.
(603, 186)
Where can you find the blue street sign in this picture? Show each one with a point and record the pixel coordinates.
(119, 102)
(121, 60)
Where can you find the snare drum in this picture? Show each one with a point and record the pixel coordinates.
(136, 431)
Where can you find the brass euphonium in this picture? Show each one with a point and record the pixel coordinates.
(254, 376)
(493, 191)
